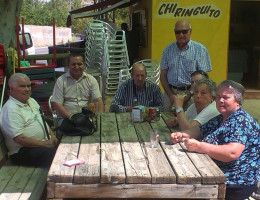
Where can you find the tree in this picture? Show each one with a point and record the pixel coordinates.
(38, 12)
(8, 11)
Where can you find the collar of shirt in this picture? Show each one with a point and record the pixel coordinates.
(134, 86)
(19, 103)
(186, 47)
(69, 76)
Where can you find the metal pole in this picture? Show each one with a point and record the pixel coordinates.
(44, 123)
(3, 92)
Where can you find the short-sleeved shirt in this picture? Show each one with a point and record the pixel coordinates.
(74, 94)
(17, 118)
(182, 63)
(150, 96)
(241, 128)
(204, 116)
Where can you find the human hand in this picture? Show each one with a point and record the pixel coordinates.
(192, 144)
(176, 137)
(178, 100)
(172, 122)
(53, 141)
(187, 96)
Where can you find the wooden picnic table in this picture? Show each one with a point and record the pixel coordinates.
(119, 163)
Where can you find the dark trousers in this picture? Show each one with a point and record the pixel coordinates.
(34, 156)
(239, 192)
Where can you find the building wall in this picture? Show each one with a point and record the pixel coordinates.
(211, 29)
(42, 36)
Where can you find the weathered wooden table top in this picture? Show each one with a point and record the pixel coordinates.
(119, 163)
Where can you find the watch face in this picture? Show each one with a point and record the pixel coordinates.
(179, 110)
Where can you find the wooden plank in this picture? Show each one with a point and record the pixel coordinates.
(137, 191)
(112, 166)
(135, 162)
(67, 150)
(6, 174)
(16, 185)
(185, 170)
(50, 190)
(36, 185)
(183, 167)
(159, 166)
(90, 153)
(209, 171)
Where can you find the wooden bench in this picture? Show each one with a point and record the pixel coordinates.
(19, 182)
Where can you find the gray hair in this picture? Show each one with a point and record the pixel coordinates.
(237, 89)
(15, 77)
(210, 84)
(182, 21)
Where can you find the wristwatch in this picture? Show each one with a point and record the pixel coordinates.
(179, 110)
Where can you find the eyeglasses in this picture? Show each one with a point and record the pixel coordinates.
(181, 31)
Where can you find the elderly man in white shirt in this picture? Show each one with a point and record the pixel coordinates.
(25, 135)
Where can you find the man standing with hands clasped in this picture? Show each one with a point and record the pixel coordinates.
(179, 60)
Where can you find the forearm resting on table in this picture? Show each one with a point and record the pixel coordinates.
(225, 153)
(193, 132)
(61, 110)
(30, 142)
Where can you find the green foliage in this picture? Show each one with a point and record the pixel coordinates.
(121, 15)
(39, 12)
(78, 25)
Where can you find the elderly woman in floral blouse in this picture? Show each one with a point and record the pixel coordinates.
(231, 139)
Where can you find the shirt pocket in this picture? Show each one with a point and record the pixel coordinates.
(188, 65)
(83, 93)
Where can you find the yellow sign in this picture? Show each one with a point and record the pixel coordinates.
(172, 9)
(209, 20)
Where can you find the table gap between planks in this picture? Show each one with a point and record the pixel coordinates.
(119, 163)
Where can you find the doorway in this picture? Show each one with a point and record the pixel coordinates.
(244, 43)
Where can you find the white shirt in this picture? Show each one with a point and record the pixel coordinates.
(204, 116)
(74, 94)
(17, 118)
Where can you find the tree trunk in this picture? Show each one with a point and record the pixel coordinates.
(9, 9)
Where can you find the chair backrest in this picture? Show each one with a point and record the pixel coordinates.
(53, 112)
(152, 67)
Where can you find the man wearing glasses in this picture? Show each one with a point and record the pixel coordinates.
(179, 60)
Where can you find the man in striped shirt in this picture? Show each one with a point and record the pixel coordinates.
(137, 91)
(179, 60)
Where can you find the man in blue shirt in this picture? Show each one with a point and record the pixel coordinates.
(179, 60)
(137, 91)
